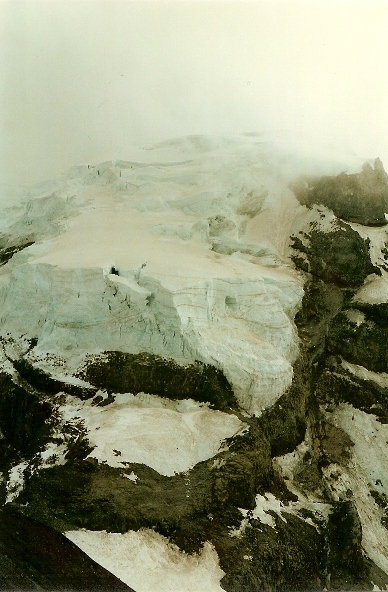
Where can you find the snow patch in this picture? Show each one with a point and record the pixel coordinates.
(53, 454)
(355, 316)
(145, 560)
(374, 291)
(378, 237)
(267, 505)
(367, 470)
(131, 476)
(264, 505)
(380, 378)
(15, 483)
(168, 436)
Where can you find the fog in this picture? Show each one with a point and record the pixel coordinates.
(83, 80)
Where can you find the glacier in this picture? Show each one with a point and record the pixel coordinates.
(192, 284)
(193, 373)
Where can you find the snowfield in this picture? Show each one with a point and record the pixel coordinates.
(168, 436)
(146, 561)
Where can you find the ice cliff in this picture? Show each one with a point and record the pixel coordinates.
(194, 374)
(200, 253)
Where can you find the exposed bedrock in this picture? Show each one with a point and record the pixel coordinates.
(359, 340)
(339, 255)
(376, 312)
(99, 497)
(45, 383)
(346, 340)
(336, 384)
(36, 557)
(24, 416)
(360, 197)
(345, 557)
(292, 555)
(6, 253)
(119, 372)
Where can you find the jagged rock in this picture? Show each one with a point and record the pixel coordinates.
(377, 312)
(360, 197)
(339, 256)
(42, 381)
(7, 253)
(99, 497)
(337, 385)
(334, 444)
(364, 343)
(292, 555)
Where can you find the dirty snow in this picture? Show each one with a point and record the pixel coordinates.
(368, 469)
(267, 505)
(147, 561)
(264, 505)
(168, 436)
(355, 316)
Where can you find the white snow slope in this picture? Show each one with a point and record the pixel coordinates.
(145, 560)
(200, 241)
(169, 436)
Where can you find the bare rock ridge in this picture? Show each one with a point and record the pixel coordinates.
(360, 197)
(214, 421)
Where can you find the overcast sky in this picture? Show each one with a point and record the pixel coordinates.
(82, 80)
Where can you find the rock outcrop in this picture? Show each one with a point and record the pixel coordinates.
(195, 392)
(360, 197)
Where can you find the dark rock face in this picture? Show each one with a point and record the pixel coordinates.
(345, 557)
(340, 256)
(335, 384)
(264, 555)
(361, 197)
(365, 344)
(23, 416)
(133, 373)
(382, 501)
(378, 313)
(6, 253)
(325, 326)
(329, 336)
(33, 556)
(99, 497)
